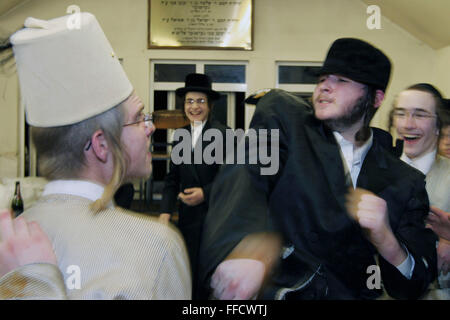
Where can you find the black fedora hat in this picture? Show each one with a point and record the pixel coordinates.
(359, 61)
(198, 82)
(446, 104)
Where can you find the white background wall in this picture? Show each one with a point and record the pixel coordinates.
(285, 30)
(443, 70)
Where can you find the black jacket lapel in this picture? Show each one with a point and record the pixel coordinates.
(374, 173)
(327, 151)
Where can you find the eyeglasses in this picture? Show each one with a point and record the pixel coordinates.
(142, 118)
(416, 114)
(192, 101)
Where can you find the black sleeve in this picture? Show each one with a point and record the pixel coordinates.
(421, 244)
(171, 189)
(207, 191)
(239, 199)
(208, 187)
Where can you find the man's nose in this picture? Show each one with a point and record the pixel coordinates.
(149, 129)
(326, 85)
(409, 121)
(196, 105)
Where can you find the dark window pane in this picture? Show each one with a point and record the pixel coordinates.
(219, 111)
(297, 74)
(172, 72)
(240, 110)
(159, 138)
(226, 73)
(179, 102)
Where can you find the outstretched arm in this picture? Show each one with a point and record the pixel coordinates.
(244, 271)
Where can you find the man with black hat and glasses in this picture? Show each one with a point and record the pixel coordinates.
(191, 182)
(349, 214)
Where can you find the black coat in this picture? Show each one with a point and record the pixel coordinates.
(183, 176)
(305, 202)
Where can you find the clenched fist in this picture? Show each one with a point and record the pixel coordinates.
(371, 213)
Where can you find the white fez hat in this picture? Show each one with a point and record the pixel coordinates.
(67, 73)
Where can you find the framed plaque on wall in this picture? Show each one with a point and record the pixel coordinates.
(200, 24)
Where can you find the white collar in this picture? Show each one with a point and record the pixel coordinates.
(198, 125)
(196, 131)
(422, 163)
(354, 156)
(81, 188)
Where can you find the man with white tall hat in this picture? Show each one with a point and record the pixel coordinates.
(91, 136)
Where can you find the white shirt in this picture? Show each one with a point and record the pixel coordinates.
(422, 163)
(81, 188)
(353, 159)
(196, 131)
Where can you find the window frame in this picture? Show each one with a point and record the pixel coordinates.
(225, 88)
(297, 88)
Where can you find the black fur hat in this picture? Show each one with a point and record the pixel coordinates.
(198, 82)
(359, 61)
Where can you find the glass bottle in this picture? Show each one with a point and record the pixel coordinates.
(17, 202)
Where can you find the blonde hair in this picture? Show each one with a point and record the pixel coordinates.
(61, 150)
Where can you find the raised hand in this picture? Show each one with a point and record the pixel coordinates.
(371, 213)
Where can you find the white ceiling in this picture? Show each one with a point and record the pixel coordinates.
(427, 20)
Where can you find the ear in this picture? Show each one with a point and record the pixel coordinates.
(379, 97)
(100, 145)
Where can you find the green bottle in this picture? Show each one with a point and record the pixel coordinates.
(17, 202)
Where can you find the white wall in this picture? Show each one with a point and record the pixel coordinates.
(443, 71)
(285, 30)
(9, 124)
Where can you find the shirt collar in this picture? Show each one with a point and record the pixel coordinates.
(85, 189)
(353, 156)
(422, 163)
(195, 128)
(196, 131)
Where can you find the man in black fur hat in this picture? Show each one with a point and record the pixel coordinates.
(191, 182)
(350, 215)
